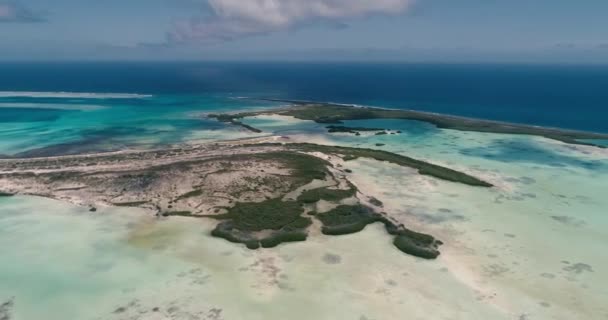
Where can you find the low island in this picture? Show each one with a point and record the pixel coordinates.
(261, 193)
(334, 114)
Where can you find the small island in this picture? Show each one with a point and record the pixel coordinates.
(261, 193)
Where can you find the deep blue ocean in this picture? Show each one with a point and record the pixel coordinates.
(573, 97)
(562, 96)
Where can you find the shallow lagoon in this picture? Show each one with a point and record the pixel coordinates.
(113, 122)
(119, 265)
(533, 245)
(531, 248)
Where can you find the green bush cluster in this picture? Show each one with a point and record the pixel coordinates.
(424, 168)
(283, 218)
(271, 214)
(415, 248)
(333, 195)
(130, 204)
(226, 230)
(333, 129)
(191, 194)
(411, 242)
(281, 237)
(305, 168)
(177, 214)
(346, 219)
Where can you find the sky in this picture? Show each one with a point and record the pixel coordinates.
(538, 31)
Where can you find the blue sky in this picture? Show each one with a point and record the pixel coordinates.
(410, 30)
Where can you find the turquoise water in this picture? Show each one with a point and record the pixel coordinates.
(568, 96)
(533, 245)
(530, 248)
(50, 108)
(44, 124)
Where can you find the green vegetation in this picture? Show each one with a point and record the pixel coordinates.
(281, 237)
(411, 242)
(354, 130)
(415, 248)
(346, 219)
(177, 214)
(130, 204)
(191, 194)
(256, 224)
(348, 153)
(273, 221)
(305, 168)
(283, 221)
(333, 195)
(226, 230)
(424, 168)
(5, 194)
(272, 214)
(376, 202)
(352, 219)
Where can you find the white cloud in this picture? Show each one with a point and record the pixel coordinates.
(231, 19)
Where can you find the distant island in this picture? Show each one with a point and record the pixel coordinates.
(335, 114)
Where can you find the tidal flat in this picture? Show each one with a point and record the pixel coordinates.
(529, 245)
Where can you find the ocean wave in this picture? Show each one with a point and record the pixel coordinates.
(80, 95)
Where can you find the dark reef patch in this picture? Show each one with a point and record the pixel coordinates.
(331, 258)
(571, 221)
(439, 217)
(91, 141)
(6, 309)
(520, 150)
(32, 114)
(578, 268)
